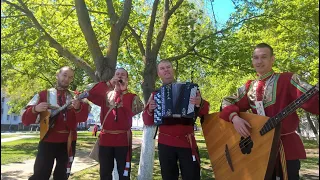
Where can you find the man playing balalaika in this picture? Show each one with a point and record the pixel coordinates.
(176, 139)
(268, 95)
(59, 143)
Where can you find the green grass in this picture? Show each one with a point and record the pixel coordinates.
(19, 150)
(310, 163)
(24, 149)
(92, 173)
(310, 144)
(9, 135)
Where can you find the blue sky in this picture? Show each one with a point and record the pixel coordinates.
(222, 10)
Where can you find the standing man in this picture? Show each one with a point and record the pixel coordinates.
(95, 130)
(60, 142)
(176, 141)
(118, 106)
(267, 95)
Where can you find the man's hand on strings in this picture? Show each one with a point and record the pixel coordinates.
(241, 126)
(41, 107)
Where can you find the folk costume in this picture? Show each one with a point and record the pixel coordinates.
(60, 142)
(176, 141)
(115, 137)
(275, 91)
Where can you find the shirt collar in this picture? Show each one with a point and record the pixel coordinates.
(266, 76)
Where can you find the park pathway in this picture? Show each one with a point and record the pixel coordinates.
(22, 171)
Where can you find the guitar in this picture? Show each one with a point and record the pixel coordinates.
(235, 157)
(47, 119)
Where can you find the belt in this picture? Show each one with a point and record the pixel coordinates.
(64, 132)
(115, 131)
(191, 140)
(287, 133)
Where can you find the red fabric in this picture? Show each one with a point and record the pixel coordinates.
(285, 94)
(174, 135)
(241, 106)
(98, 95)
(73, 118)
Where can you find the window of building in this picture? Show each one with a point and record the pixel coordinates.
(2, 99)
(1, 111)
(8, 117)
(15, 118)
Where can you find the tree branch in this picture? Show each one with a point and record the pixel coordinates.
(191, 48)
(123, 20)
(175, 58)
(87, 30)
(138, 39)
(20, 48)
(151, 25)
(3, 17)
(111, 12)
(52, 42)
(26, 73)
(23, 29)
(166, 16)
(202, 56)
(175, 7)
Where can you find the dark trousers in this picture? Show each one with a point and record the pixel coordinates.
(47, 153)
(106, 157)
(169, 156)
(293, 167)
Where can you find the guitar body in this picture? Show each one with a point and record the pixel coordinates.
(255, 161)
(44, 123)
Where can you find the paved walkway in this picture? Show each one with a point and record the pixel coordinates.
(22, 171)
(16, 138)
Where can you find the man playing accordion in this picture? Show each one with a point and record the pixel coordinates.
(176, 139)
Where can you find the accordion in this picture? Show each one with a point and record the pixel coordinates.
(173, 101)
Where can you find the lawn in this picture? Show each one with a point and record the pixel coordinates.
(24, 149)
(206, 171)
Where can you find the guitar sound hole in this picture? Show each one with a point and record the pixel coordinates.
(246, 145)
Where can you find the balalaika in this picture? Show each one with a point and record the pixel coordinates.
(172, 102)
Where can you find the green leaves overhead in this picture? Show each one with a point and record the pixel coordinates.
(219, 60)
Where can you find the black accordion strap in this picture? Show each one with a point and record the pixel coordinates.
(155, 134)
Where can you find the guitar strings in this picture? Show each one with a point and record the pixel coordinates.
(221, 160)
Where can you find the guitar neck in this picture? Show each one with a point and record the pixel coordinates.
(292, 107)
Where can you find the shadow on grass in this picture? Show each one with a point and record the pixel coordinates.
(309, 177)
(18, 153)
(14, 175)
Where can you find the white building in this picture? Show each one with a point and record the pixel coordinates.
(8, 120)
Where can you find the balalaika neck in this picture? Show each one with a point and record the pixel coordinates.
(54, 113)
(292, 107)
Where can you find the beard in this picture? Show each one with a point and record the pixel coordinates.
(63, 86)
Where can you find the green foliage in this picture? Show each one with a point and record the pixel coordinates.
(219, 64)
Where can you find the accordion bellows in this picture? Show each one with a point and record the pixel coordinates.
(173, 101)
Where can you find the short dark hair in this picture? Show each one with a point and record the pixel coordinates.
(124, 70)
(264, 45)
(164, 60)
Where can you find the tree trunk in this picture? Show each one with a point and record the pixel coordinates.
(149, 76)
(314, 129)
(299, 130)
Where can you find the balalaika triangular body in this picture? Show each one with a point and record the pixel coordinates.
(233, 157)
